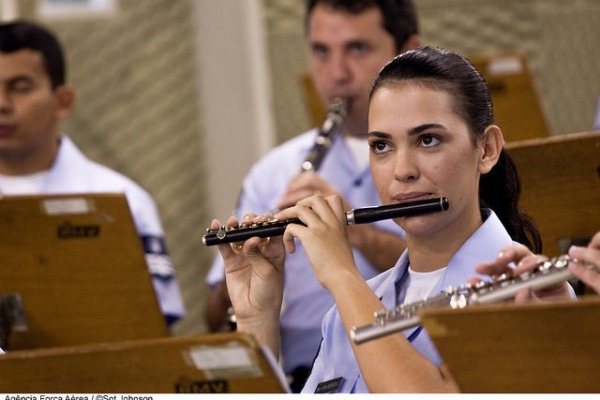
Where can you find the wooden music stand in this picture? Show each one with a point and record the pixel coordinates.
(517, 107)
(510, 348)
(217, 363)
(560, 177)
(78, 265)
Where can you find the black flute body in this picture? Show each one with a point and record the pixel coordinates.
(357, 216)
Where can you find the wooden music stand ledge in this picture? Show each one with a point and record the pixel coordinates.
(528, 348)
(217, 363)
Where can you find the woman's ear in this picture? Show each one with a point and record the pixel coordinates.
(492, 144)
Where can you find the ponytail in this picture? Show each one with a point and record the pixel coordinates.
(500, 190)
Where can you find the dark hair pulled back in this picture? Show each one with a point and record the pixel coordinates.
(441, 69)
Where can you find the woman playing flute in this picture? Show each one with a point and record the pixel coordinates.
(431, 134)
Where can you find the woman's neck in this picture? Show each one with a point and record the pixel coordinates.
(434, 251)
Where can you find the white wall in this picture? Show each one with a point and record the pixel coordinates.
(235, 95)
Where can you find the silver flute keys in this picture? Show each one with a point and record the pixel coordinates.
(499, 288)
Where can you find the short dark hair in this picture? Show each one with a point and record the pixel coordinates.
(18, 35)
(399, 16)
(441, 69)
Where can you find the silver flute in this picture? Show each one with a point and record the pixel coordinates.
(499, 288)
(327, 132)
(364, 215)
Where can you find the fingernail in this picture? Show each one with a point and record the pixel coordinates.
(574, 249)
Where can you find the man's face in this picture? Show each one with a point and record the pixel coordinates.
(346, 53)
(30, 109)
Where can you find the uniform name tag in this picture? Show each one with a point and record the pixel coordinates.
(331, 386)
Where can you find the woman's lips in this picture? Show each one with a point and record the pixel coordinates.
(411, 197)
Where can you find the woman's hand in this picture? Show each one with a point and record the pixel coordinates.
(524, 261)
(254, 276)
(324, 237)
(589, 254)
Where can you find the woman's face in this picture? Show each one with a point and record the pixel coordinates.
(419, 149)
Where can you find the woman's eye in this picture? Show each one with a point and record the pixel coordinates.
(379, 147)
(429, 141)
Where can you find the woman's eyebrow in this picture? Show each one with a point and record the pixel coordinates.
(411, 132)
(379, 135)
(422, 128)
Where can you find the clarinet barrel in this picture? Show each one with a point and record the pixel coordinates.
(327, 133)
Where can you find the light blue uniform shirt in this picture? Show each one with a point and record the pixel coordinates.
(305, 301)
(336, 358)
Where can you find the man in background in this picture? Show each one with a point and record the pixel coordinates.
(36, 159)
(350, 41)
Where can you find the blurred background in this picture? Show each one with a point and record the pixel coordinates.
(183, 96)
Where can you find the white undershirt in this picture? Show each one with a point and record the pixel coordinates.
(420, 284)
(359, 147)
(22, 184)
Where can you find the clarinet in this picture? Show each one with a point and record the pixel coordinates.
(500, 287)
(362, 215)
(327, 132)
